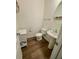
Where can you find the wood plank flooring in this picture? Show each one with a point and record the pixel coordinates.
(36, 49)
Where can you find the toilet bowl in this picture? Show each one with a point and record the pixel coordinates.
(40, 34)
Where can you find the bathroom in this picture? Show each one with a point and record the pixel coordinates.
(38, 19)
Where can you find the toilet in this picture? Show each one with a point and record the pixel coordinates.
(40, 34)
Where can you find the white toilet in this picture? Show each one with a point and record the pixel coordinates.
(40, 34)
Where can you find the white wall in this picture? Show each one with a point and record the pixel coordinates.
(34, 13)
(50, 7)
(58, 11)
(30, 15)
(57, 22)
(50, 12)
(48, 17)
(57, 2)
(47, 9)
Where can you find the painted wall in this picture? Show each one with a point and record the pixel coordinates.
(50, 7)
(58, 11)
(47, 9)
(50, 10)
(30, 15)
(57, 22)
(48, 17)
(35, 13)
(57, 2)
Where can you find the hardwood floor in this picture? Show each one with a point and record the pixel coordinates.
(36, 49)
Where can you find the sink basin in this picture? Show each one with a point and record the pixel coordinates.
(52, 34)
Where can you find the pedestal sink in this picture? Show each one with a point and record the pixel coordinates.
(52, 34)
